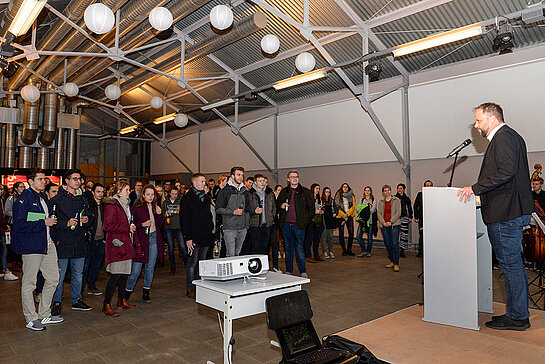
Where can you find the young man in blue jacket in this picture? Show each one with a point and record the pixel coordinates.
(31, 237)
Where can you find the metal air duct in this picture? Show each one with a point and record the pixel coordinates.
(25, 157)
(56, 33)
(209, 45)
(129, 18)
(30, 122)
(140, 35)
(59, 150)
(43, 158)
(50, 118)
(71, 149)
(11, 135)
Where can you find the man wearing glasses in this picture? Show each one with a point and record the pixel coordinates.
(69, 237)
(296, 210)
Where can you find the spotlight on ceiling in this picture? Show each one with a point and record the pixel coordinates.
(8, 69)
(373, 70)
(504, 43)
(504, 40)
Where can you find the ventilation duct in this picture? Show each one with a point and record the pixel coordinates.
(59, 150)
(71, 152)
(73, 11)
(30, 122)
(43, 158)
(209, 45)
(25, 157)
(140, 35)
(50, 118)
(130, 16)
(11, 135)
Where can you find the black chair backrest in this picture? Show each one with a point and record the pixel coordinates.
(288, 309)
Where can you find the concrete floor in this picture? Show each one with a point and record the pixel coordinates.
(344, 292)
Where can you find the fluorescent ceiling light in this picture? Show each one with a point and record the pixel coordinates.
(128, 129)
(296, 80)
(217, 104)
(438, 39)
(25, 17)
(164, 118)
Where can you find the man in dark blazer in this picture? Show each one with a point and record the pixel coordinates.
(506, 206)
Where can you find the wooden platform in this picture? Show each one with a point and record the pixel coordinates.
(402, 337)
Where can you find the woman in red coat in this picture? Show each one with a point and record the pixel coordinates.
(119, 250)
(149, 221)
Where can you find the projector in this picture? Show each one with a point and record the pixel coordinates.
(233, 267)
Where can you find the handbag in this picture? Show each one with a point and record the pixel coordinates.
(337, 342)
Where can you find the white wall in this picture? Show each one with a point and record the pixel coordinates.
(341, 133)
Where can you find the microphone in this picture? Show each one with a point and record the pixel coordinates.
(459, 148)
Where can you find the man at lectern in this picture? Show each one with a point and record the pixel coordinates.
(506, 206)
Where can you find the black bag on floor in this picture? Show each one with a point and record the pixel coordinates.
(340, 343)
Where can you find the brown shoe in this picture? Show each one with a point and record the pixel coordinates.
(311, 260)
(123, 303)
(108, 310)
(191, 293)
(319, 259)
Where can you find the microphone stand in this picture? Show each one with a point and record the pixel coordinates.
(453, 168)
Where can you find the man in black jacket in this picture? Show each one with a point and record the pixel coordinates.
(506, 205)
(95, 253)
(296, 210)
(418, 218)
(70, 240)
(197, 226)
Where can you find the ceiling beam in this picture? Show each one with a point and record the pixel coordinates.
(404, 12)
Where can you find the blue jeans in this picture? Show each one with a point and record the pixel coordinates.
(4, 253)
(391, 239)
(95, 256)
(181, 245)
(136, 267)
(294, 238)
(76, 269)
(506, 238)
(361, 241)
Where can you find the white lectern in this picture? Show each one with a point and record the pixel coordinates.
(457, 259)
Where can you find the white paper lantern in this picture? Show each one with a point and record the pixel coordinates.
(160, 18)
(70, 89)
(181, 120)
(99, 18)
(221, 17)
(30, 93)
(270, 44)
(305, 62)
(156, 102)
(112, 92)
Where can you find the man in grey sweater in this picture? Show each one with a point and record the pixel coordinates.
(233, 205)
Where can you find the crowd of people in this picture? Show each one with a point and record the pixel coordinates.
(69, 232)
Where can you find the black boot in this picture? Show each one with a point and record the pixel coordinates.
(145, 295)
(127, 295)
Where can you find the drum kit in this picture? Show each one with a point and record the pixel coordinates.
(533, 248)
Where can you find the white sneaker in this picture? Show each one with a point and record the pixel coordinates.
(277, 270)
(304, 275)
(35, 325)
(10, 277)
(1, 275)
(52, 320)
(326, 255)
(331, 255)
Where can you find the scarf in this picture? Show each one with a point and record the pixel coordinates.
(348, 195)
(200, 194)
(125, 204)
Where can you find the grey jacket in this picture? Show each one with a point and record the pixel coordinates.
(229, 199)
(270, 208)
(396, 212)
